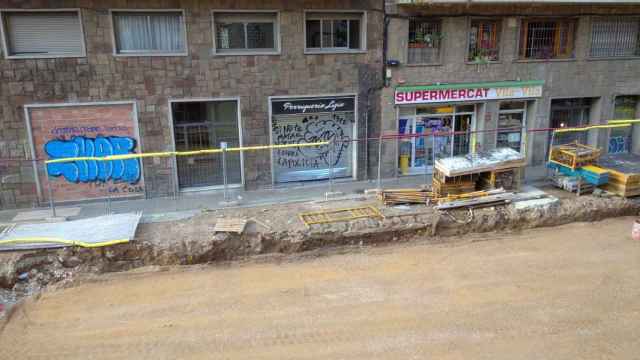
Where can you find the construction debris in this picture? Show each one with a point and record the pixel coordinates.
(340, 215)
(478, 202)
(573, 184)
(93, 232)
(406, 196)
(231, 225)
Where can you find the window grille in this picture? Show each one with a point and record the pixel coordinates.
(484, 40)
(617, 36)
(547, 39)
(425, 37)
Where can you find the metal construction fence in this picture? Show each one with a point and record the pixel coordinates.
(385, 160)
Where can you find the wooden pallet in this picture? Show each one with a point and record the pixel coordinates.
(232, 225)
(574, 155)
(340, 215)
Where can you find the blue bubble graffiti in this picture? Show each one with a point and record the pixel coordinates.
(86, 171)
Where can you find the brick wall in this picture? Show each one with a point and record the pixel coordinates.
(77, 131)
(152, 81)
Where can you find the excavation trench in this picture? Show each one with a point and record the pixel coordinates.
(193, 241)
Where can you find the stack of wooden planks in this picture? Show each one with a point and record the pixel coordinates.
(477, 200)
(406, 196)
(624, 174)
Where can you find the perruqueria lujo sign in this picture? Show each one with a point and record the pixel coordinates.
(468, 92)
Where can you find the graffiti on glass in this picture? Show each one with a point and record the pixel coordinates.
(312, 129)
(90, 171)
(617, 144)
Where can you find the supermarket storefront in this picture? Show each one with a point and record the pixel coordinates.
(453, 112)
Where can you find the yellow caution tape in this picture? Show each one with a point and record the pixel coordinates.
(182, 153)
(37, 240)
(587, 128)
(631, 121)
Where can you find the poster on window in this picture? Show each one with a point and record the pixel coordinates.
(313, 120)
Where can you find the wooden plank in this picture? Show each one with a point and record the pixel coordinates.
(232, 225)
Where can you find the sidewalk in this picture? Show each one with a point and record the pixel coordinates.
(187, 204)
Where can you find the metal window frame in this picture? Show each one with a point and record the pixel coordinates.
(363, 32)
(500, 34)
(522, 111)
(576, 21)
(32, 148)
(183, 20)
(5, 42)
(441, 47)
(173, 141)
(277, 37)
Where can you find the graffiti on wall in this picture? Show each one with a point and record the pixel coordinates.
(336, 129)
(618, 144)
(89, 171)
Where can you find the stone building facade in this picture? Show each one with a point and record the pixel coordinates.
(155, 91)
(536, 65)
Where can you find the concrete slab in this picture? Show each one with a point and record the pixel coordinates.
(44, 214)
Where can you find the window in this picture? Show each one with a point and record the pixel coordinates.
(616, 36)
(511, 121)
(149, 33)
(43, 34)
(620, 139)
(246, 32)
(484, 40)
(570, 113)
(334, 31)
(547, 39)
(199, 125)
(424, 41)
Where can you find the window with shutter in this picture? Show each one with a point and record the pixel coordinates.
(43, 34)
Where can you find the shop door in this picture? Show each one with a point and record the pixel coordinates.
(312, 120)
(204, 125)
(412, 146)
(567, 113)
(462, 134)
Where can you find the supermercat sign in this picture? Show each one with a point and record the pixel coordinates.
(468, 92)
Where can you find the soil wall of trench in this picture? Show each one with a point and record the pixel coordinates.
(192, 241)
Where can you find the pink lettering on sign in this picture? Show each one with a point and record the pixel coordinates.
(441, 95)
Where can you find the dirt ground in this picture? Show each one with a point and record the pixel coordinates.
(569, 292)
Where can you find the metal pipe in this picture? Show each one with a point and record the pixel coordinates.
(379, 181)
(224, 170)
(331, 160)
(52, 204)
